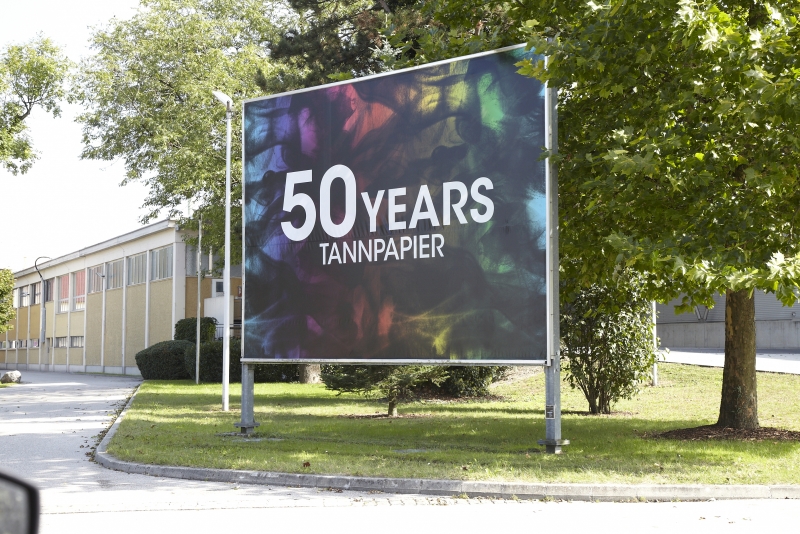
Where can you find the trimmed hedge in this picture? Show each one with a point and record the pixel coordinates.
(211, 361)
(164, 360)
(187, 329)
(211, 365)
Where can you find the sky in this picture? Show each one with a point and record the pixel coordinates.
(62, 203)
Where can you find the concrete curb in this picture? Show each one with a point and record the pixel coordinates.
(572, 492)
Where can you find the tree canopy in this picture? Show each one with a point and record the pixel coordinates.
(7, 311)
(31, 75)
(147, 93)
(678, 143)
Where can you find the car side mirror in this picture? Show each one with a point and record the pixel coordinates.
(19, 506)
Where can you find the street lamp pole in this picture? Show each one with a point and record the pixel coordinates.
(226, 276)
(43, 296)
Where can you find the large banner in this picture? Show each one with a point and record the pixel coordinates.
(398, 218)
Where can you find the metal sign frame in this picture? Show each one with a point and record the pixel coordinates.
(551, 363)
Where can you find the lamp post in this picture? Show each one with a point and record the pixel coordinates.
(226, 274)
(43, 296)
(199, 281)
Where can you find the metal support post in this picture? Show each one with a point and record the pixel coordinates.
(552, 371)
(655, 347)
(199, 295)
(248, 423)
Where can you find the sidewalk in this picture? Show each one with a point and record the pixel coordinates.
(768, 360)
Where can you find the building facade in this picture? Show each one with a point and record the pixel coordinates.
(94, 309)
(777, 326)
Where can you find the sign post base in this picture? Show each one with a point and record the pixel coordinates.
(247, 424)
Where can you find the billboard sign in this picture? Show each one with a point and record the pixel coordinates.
(399, 218)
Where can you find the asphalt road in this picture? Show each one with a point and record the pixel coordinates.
(49, 423)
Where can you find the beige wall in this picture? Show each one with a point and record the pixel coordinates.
(113, 346)
(161, 327)
(191, 295)
(94, 327)
(76, 322)
(134, 323)
(60, 356)
(61, 325)
(22, 323)
(50, 311)
(36, 321)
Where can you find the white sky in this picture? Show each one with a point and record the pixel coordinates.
(63, 203)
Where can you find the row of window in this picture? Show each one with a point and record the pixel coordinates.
(72, 288)
(75, 342)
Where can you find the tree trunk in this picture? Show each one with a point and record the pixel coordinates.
(309, 373)
(392, 408)
(739, 407)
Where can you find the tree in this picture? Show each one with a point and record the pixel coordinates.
(607, 341)
(7, 311)
(389, 382)
(31, 75)
(678, 148)
(147, 93)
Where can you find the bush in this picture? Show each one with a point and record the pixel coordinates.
(186, 329)
(277, 372)
(607, 342)
(472, 381)
(211, 361)
(211, 365)
(163, 361)
(389, 382)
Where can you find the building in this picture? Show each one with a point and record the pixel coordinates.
(102, 304)
(777, 326)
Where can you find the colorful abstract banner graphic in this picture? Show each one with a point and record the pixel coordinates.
(398, 217)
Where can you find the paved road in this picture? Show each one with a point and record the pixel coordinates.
(48, 423)
(769, 360)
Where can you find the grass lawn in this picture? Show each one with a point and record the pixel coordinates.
(179, 423)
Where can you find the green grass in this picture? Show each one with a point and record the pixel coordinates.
(179, 423)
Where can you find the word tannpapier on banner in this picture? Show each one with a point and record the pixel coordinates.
(454, 195)
(399, 217)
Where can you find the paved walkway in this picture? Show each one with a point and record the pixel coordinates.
(772, 361)
(48, 424)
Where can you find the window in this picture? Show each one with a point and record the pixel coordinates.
(24, 296)
(217, 288)
(3, 344)
(76, 342)
(161, 263)
(79, 290)
(22, 343)
(114, 274)
(191, 262)
(63, 293)
(137, 269)
(61, 342)
(33, 343)
(36, 293)
(95, 279)
(48, 290)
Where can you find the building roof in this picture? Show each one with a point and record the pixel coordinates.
(115, 241)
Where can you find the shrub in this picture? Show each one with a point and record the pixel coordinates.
(164, 360)
(607, 342)
(211, 361)
(277, 372)
(472, 381)
(389, 382)
(211, 365)
(187, 329)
